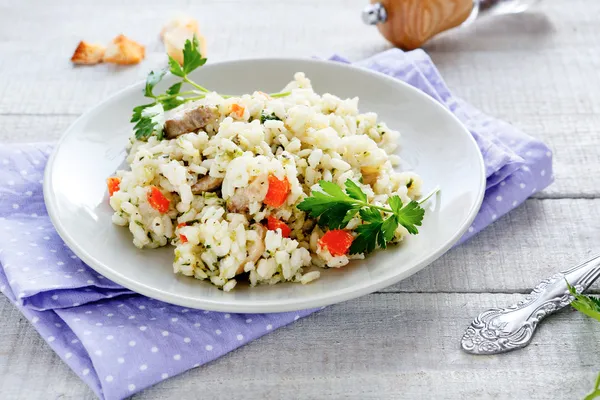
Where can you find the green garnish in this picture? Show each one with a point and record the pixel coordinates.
(148, 123)
(335, 208)
(268, 117)
(588, 305)
(596, 392)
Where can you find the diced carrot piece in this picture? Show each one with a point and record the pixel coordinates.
(181, 225)
(183, 239)
(113, 184)
(238, 110)
(336, 241)
(278, 191)
(273, 224)
(157, 200)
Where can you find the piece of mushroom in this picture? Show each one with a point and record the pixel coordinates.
(369, 175)
(239, 202)
(256, 250)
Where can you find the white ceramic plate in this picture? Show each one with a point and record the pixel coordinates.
(434, 143)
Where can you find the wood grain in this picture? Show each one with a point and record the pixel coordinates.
(536, 70)
(392, 346)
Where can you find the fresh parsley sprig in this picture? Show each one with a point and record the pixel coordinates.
(146, 122)
(587, 305)
(336, 207)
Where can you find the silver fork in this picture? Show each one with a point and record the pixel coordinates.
(499, 330)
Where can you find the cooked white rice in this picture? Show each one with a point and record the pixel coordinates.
(316, 137)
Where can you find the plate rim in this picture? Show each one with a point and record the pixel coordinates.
(258, 306)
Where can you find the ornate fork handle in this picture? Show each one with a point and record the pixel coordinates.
(499, 330)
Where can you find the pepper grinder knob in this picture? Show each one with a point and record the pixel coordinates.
(374, 14)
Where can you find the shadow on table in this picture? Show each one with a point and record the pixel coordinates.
(527, 31)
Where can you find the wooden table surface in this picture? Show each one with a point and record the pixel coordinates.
(539, 71)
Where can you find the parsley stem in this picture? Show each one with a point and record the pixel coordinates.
(170, 96)
(280, 94)
(389, 210)
(434, 191)
(194, 98)
(194, 84)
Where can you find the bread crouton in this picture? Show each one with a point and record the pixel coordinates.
(175, 39)
(124, 51)
(180, 21)
(88, 53)
(176, 32)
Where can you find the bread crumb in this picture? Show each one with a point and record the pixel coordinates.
(124, 51)
(88, 53)
(180, 21)
(176, 32)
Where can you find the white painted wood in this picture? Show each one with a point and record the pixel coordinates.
(538, 71)
(398, 346)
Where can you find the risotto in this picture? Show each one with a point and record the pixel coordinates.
(224, 183)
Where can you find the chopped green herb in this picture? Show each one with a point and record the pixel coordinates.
(268, 117)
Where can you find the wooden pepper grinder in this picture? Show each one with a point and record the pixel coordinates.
(410, 23)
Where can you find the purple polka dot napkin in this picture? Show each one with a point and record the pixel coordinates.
(119, 342)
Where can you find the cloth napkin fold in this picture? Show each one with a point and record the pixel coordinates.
(120, 342)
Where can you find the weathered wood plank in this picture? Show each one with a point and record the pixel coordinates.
(529, 244)
(402, 346)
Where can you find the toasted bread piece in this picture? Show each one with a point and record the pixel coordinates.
(124, 51)
(175, 39)
(180, 21)
(88, 53)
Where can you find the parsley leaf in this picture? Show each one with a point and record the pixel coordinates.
(175, 89)
(192, 58)
(409, 216)
(152, 80)
(596, 392)
(137, 112)
(144, 128)
(173, 102)
(268, 117)
(175, 68)
(587, 305)
(331, 205)
(369, 235)
(147, 123)
(355, 191)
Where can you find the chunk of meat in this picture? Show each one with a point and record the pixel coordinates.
(256, 249)
(255, 191)
(207, 184)
(189, 121)
(369, 175)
